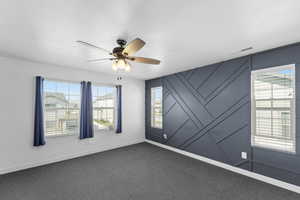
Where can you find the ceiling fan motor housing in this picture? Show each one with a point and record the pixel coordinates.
(117, 51)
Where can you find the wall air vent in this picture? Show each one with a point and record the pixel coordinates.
(246, 49)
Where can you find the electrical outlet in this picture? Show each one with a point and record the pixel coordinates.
(244, 155)
(165, 136)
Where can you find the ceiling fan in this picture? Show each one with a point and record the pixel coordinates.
(122, 54)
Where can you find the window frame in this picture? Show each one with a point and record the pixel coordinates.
(151, 108)
(292, 109)
(114, 108)
(44, 107)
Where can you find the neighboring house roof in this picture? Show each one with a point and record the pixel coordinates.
(104, 97)
(56, 98)
(279, 79)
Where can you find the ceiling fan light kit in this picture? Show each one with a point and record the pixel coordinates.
(123, 54)
(121, 64)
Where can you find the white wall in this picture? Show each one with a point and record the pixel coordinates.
(17, 111)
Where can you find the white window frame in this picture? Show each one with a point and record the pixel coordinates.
(44, 108)
(151, 113)
(292, 109)
(114, 108)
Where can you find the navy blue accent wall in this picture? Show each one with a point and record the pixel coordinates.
(206, 111)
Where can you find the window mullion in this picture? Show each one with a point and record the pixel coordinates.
(272, 102)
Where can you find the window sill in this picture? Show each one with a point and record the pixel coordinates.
(60, 135)
(270, 148)
(156, 128)
(103, 131)
(100, 131)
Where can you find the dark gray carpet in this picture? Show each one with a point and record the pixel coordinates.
(137, 172)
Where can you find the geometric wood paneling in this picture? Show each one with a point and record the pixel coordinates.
(202, 116)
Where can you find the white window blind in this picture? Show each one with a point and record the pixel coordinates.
(156, 107)
(103, 107)
(273, 108)
(62, 107)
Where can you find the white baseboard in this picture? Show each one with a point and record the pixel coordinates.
(58, 159)
(250, 174)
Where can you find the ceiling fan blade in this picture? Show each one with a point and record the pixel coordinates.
(145, 60)
(93, 46)
(133, 46)
(100, 60)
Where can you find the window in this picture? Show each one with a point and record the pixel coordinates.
(103, 107)
(273, 108)
(62, 107)
(156, 107)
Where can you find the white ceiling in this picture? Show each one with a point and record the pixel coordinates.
(182, 34)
